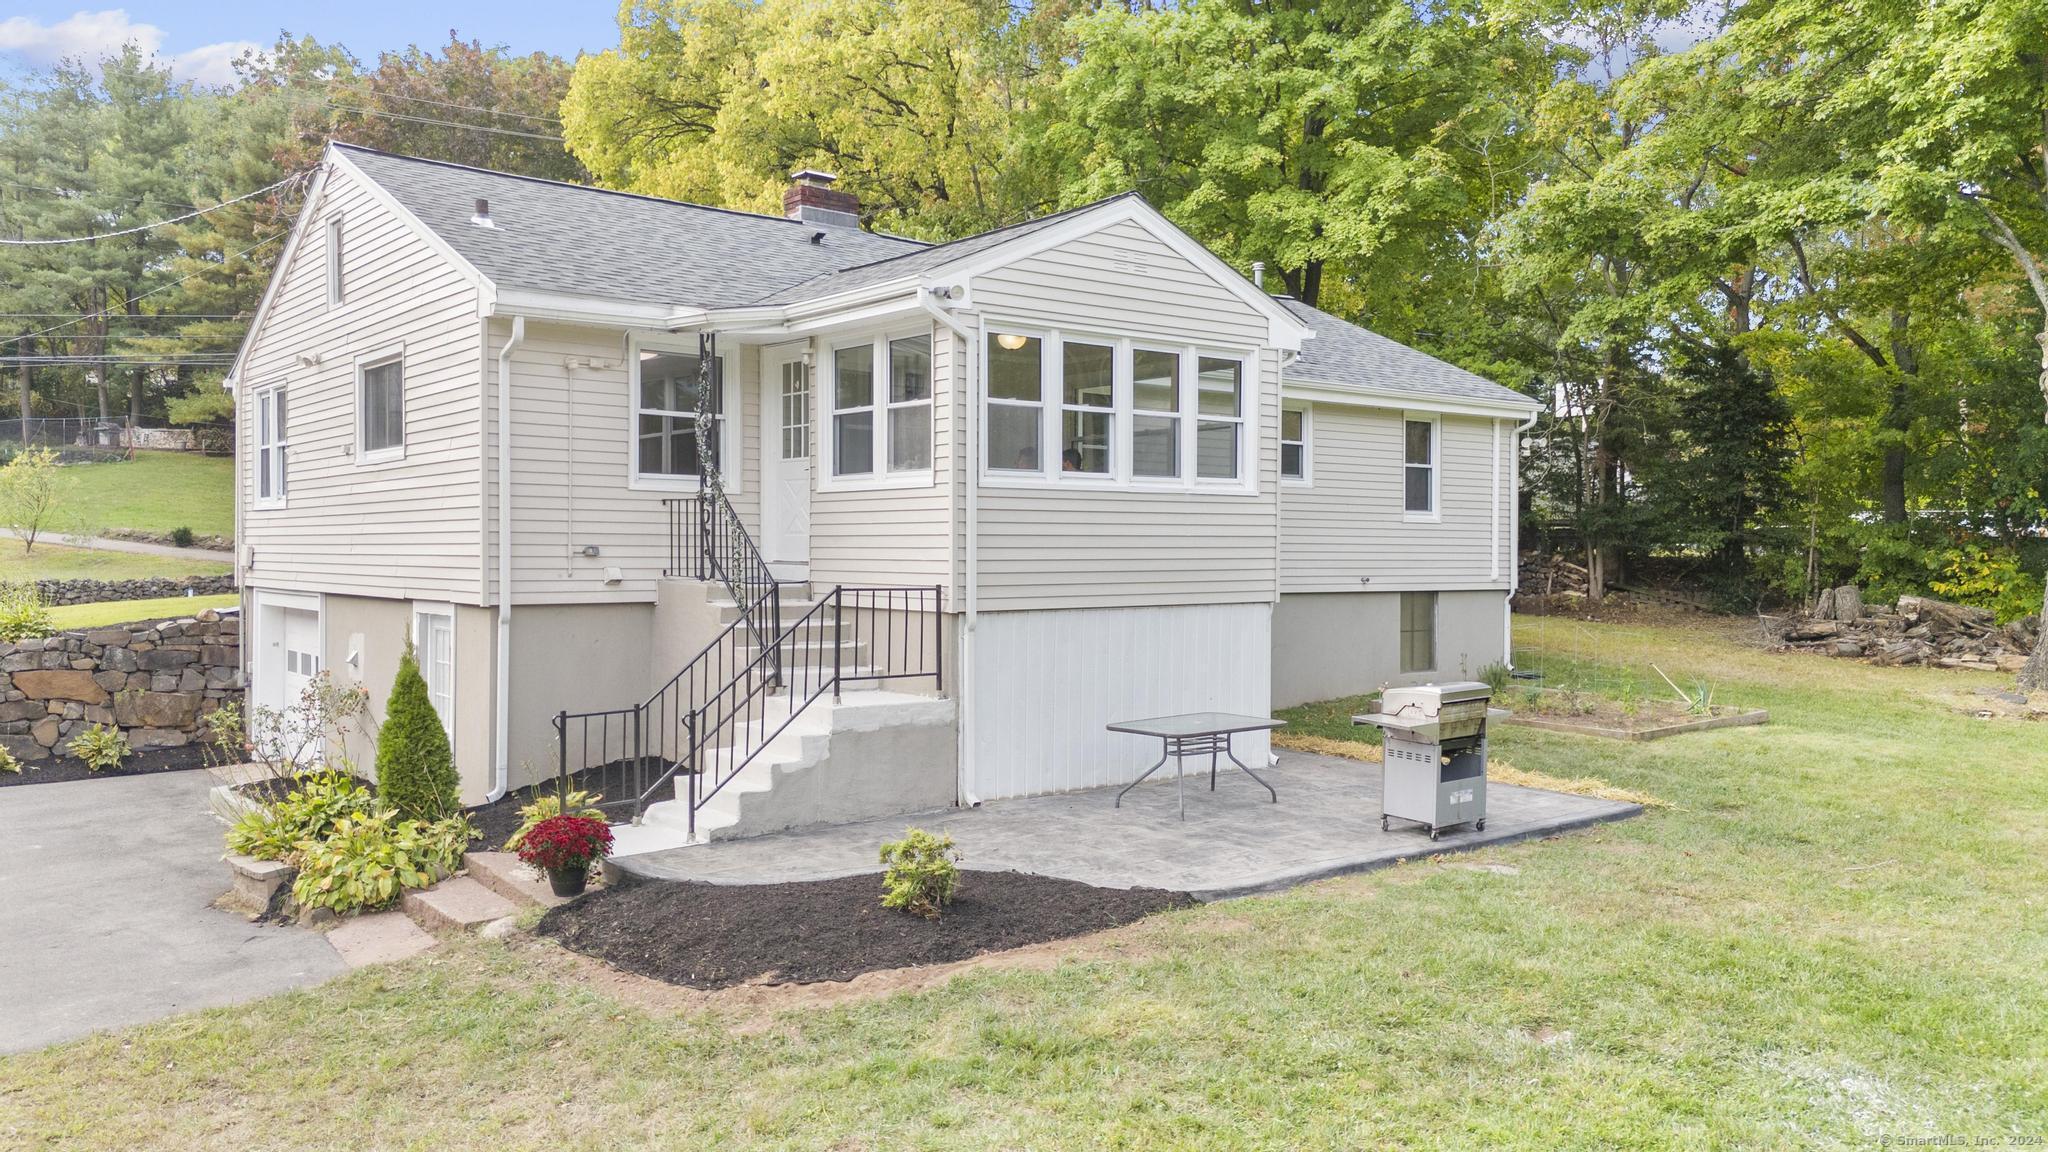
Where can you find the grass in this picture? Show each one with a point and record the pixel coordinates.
(124, 611)
(155, 492)
(1834, 938)
(59, 562)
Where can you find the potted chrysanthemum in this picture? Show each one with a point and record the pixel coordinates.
(566, 848)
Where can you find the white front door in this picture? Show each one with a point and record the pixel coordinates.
(286, 659)
(786, 458)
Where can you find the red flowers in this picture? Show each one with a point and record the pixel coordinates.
(560, 842)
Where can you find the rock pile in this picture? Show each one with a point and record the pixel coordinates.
(1916, 630)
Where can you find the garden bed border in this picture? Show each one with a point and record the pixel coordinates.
(1556, 724)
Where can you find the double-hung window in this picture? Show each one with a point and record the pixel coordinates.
(1087, 407)
(1220, 388)
(1155, 413)
(665, 389)
(271, 443)
(1418, 631)
(1420, 469)
(1016, 402)
(380, 403)
(882, 409)
(1294, 444)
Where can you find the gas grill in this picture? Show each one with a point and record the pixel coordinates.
(1435, 771)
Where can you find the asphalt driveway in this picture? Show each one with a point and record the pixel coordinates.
(106, 889)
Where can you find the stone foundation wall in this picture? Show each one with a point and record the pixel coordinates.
(152, 588)
(155, 680)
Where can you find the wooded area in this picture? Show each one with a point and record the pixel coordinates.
(1777, 270)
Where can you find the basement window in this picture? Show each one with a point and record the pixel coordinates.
(1418, 631)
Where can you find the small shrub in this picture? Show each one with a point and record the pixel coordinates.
(920, 873)
(1988, 578)
(366, 861)
(1497, 677)
(182, 537)
(8, 763)
(415, 768)
(221, 733)
(101, 746)
(321, 721)
(563, 842)
(28, 494)
(317, 802)
(548, 804)
(24, 614)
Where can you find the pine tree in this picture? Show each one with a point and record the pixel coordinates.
(415, 768)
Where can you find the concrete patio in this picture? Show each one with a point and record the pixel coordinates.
(1234, 843)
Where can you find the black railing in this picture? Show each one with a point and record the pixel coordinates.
(707, 541)
(737, 695)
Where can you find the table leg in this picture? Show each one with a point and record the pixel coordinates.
(1141, 777)
(1180, 785)
(1254, 775)
(1212, 767)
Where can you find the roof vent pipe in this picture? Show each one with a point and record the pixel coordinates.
(482, 219)
(1258, 273)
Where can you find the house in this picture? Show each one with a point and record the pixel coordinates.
(969, 501)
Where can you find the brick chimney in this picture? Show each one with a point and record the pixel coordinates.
(812, 199)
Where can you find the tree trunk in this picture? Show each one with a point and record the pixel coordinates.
(1898, 421)
(96, 339)
(25, 375)
(2035, 674)
(136, 380)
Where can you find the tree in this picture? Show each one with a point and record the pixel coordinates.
(415, 767)
(28, 494)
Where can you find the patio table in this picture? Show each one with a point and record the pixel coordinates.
(1196, 734)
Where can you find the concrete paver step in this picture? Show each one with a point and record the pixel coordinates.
(458, 902)
(379, 938)
(502, 873)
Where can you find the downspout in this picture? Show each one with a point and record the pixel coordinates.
(971, 443)
(502, 713)
(1507, 603)
(1287, 360)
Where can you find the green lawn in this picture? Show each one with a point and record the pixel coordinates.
(1838, 936)
(124, 611)
(155, 492)
(57, 562)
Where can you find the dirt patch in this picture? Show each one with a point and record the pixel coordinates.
(1643, 718)
(720, 936)
(61, 769)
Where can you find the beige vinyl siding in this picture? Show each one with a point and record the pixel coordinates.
(886, 536)
(406, 528)
(1347, 531)
(572, 445)
(1065, 547)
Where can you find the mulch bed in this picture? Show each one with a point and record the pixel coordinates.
(59, 769)
(719, 935)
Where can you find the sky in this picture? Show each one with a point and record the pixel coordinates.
(200, 40)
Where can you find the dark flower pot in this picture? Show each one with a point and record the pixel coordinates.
(569, 881)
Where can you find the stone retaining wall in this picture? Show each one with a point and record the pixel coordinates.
(152, 588)
(153, 679)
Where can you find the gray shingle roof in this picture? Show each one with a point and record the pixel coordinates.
(1343, 353)
(911, 263)
(554, 237)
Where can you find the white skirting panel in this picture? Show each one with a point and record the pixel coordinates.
(1046, 683)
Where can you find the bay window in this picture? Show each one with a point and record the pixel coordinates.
(881, 407)
(665, 386)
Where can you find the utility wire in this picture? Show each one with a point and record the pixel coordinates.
(151, 292)
(376, 95)
(444, 123)
(148, 227)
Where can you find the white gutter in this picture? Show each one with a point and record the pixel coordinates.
(502, 713)
(964, 665)
(1507, 603)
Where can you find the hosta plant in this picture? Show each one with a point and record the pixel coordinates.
(366, 861)
(101, 746)
(316, 803)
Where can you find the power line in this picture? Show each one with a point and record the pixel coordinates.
(153, 291)
(159, 224)
(126, 315)
(122, 360)
(444, 123)
(376, 95)
(69, 194)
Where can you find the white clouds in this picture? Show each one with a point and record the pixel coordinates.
(92, 35)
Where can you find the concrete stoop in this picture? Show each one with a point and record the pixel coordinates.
(458, 902)
(870, 754)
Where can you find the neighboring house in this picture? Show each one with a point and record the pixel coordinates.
(1108, 477)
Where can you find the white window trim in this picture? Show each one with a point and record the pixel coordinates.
(1436, 468)
(1307, 479)
(825, 402)
(333, 235)
(279, 445)
(1120, 477)
(731, 443)
(445, 611)
(377, 359)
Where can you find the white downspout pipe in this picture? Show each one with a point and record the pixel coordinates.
(502, 710)
(1507, 603)
(971, 444)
